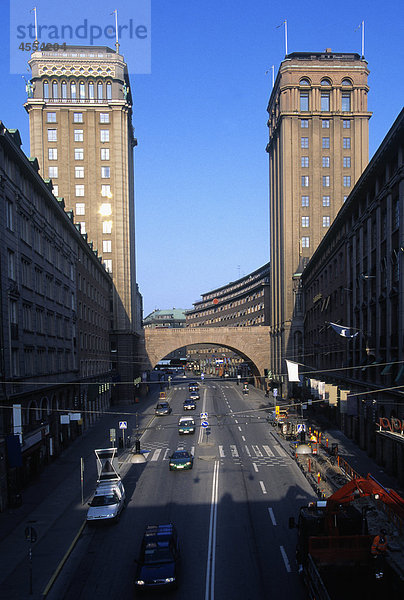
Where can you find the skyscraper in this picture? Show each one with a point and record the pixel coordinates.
(80, 112)
(318, 148)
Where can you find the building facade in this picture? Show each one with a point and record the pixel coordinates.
(355, 279)
(80, 112)
(318, 148)
(47, 367)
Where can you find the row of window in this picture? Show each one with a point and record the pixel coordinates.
(325, 161)
(325, 142)
(77, 117)
(325, 104)
(326, 181)
(306, 221)
(306, 201)
(78, 153)
(76, 91)
(41, 362)
(106, 225)
(105, 193)
(53, 172)
(325, 123)
(78, 135)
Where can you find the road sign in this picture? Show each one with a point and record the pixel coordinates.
(112, 435)
(123, 424)
(301, 427)
(275, 392)
(204, 415)
(205, 424)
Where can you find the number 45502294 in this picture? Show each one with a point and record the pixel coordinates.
(34, 46)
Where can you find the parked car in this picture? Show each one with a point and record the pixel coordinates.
(181, 460)
(186, 425)
(108, 502)
(159, 558)
(189, 404)
(162, 408)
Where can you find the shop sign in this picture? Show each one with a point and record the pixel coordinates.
(394, 425)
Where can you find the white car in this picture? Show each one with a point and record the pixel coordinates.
(186, 425)
(108, 502)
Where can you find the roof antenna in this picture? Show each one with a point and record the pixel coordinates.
(35, 23)
(116, 31)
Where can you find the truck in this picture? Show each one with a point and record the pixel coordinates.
(334, 541)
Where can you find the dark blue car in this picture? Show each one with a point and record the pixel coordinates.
(158, 563)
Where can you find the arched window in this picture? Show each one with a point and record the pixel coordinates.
(82, 90)
(91, 90)
(64, 90)
(109, 90)
(54, 89)
(325, 82)
(73, 90)
(304, 81)
(99, 91)
(46, 89)
(346, 82)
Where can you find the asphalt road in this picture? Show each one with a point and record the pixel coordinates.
(231, 510)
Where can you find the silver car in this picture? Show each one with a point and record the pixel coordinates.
(108, 502)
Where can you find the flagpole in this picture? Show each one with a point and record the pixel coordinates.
(363, 39)
(35, 23)
(116, 31)
(286, 37)
(273, 75)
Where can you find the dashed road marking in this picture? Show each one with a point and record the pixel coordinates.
(263, 487)
(156, 454)
(255, 467)
(285, 559)
(271, 514)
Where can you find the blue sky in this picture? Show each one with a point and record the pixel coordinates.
(200, 119)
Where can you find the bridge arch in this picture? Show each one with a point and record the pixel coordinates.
(251, 343)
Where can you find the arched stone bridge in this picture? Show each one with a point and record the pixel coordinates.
(251, 343)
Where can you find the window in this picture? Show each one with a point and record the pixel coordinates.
(105, 209)
(326, 142)
(52, 153)
(46, 90)
(305, 181)
(326, 181)
(108, 265)
(82, 225)
(304, 101)
(326, 221)
(51, 117)
(11, 264)
(73, 91)
(91, 90)
(107, 246)
(107, 227)
(104, 135)
(325, 123)
(109, 90)
(304, 142)
(55, 190)
(106, 191)
(25, 272)
(345, 197)
(305, 242)
(9, 215)
(99, 91)
(305, 201)
(82, 90)
(78, 135)
(305, 161)
(104, 153)
(80, 208)
(326, 200)
(52, 135)
(64, 90)
(347, 162)
(78, 154)
(347, 181)
(105, 172)
(304, 123)
(325, 102)
(104, 117)
(325, 82)
(326, 161)
(346, 82)
(346, 102)
(346, 124)
(79, 172)
(304, 81)
(77, 117)
(305, 221)
(54, 89)
(346, 142)
(53, 172)
(80, 190)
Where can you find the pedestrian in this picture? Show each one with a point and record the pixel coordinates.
(378, 551)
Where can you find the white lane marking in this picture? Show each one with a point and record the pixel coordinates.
(210, 566)
(271, 514)
(165, 457)
(268, 450)
(193, 450)
(239, 428)
(235, 420)
(280, 451)
(201, 430)
(221, 452)
(233, 451)
(230, 409)
(263, 487)
(255, 467)
(285, 559)
(257, 451)
(247, 450)
(156, 454)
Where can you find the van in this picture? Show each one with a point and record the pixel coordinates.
(186, 425)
